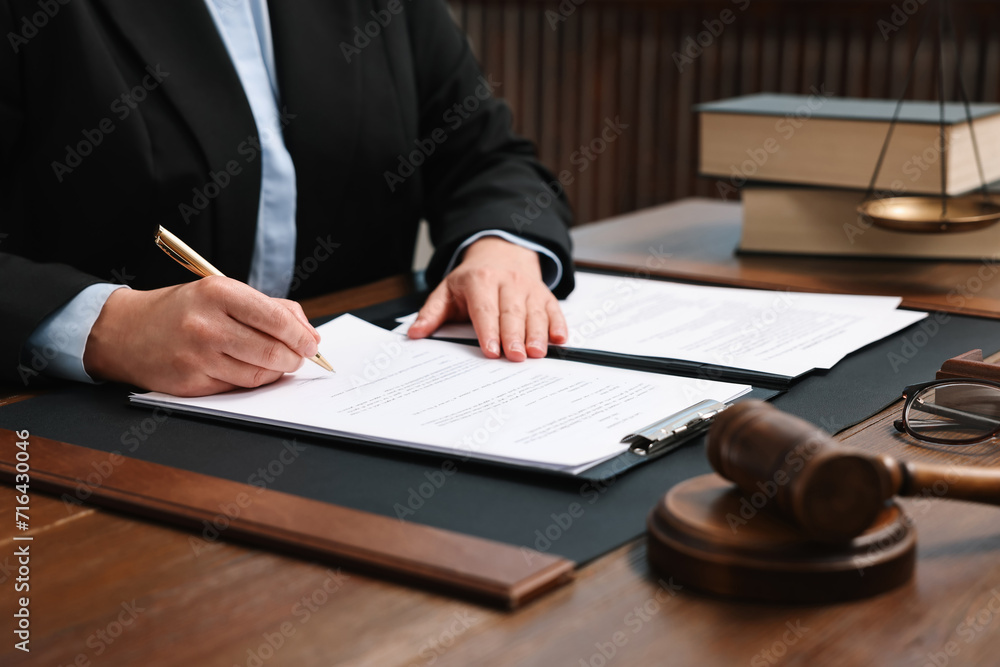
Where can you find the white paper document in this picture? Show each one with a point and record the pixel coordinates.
(782, 333)
(448, 398)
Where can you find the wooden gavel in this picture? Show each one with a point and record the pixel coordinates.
(833, 493)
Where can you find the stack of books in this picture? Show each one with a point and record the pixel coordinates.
(803, 165)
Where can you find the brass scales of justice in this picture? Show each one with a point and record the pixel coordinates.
(935, 214)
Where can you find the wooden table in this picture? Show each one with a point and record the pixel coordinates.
(108, 589)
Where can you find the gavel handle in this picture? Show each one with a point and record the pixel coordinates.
(977, 485)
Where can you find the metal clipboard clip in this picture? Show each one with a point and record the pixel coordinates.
(668, 433)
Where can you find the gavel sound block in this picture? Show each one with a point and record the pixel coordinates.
(807, 520)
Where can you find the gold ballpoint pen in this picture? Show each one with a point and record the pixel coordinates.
(183, 254)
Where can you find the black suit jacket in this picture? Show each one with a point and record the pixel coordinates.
(120, 115)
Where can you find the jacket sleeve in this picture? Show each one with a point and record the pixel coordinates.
(481, 175)
(29, 291)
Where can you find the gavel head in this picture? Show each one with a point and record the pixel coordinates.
(784, 462)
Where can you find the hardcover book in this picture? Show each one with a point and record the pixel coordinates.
(825, 221)
(822, 140)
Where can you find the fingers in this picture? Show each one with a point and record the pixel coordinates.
(558, 331)
(483, 304)
(513, 315)
(295, 309)
(233, 372)
(530, 317)
(254, 339)
(438, 309)
(268, 316)
(538, 327)
(198, 386)
(512, 310)
(258, 350)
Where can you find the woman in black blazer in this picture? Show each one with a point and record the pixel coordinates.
(117, 116)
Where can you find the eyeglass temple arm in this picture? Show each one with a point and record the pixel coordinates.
(968, 418)
(919, 425)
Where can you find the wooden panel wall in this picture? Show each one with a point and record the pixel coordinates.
(566, 68)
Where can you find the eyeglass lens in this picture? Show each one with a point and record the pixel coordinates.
(959, 412)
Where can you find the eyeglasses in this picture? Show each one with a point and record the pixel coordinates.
(951, 412)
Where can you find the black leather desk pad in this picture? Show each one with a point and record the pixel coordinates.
(577, 519)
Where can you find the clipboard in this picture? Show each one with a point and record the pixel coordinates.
(667, 435)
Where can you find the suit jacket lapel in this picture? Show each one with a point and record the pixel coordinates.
(180, 37)
(320, 90)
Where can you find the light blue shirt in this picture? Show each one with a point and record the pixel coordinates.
(245, 28)
(246, 31)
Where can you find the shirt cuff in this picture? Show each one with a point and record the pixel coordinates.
(552, 268)
(56, 347)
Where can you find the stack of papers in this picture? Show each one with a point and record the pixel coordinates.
(778, 333)
(554, 414)
(449, 399)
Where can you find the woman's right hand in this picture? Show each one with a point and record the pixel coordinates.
(199, 338)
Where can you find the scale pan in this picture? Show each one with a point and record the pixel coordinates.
(923, 214)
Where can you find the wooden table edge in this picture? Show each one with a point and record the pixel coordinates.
(440, 560)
